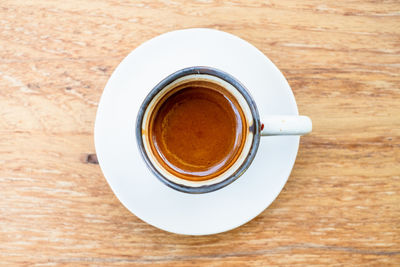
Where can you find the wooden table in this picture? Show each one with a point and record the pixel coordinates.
(341, 205)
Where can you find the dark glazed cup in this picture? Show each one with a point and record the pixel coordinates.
(273, 125)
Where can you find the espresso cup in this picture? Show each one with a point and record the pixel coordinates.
(199, 129)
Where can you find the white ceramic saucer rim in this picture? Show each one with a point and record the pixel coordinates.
(99, 139)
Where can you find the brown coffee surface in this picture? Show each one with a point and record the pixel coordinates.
(197, 132)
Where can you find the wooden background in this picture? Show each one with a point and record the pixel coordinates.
(341, 205)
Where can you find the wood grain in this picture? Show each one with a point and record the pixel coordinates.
(341, 205)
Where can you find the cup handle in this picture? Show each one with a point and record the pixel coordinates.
(286, 125)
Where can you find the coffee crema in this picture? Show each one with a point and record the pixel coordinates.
(197, 131)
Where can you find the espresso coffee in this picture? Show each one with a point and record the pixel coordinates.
(197, 131)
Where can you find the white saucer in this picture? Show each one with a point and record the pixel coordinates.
(126, 172)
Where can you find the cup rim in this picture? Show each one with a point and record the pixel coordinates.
(254, 128)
